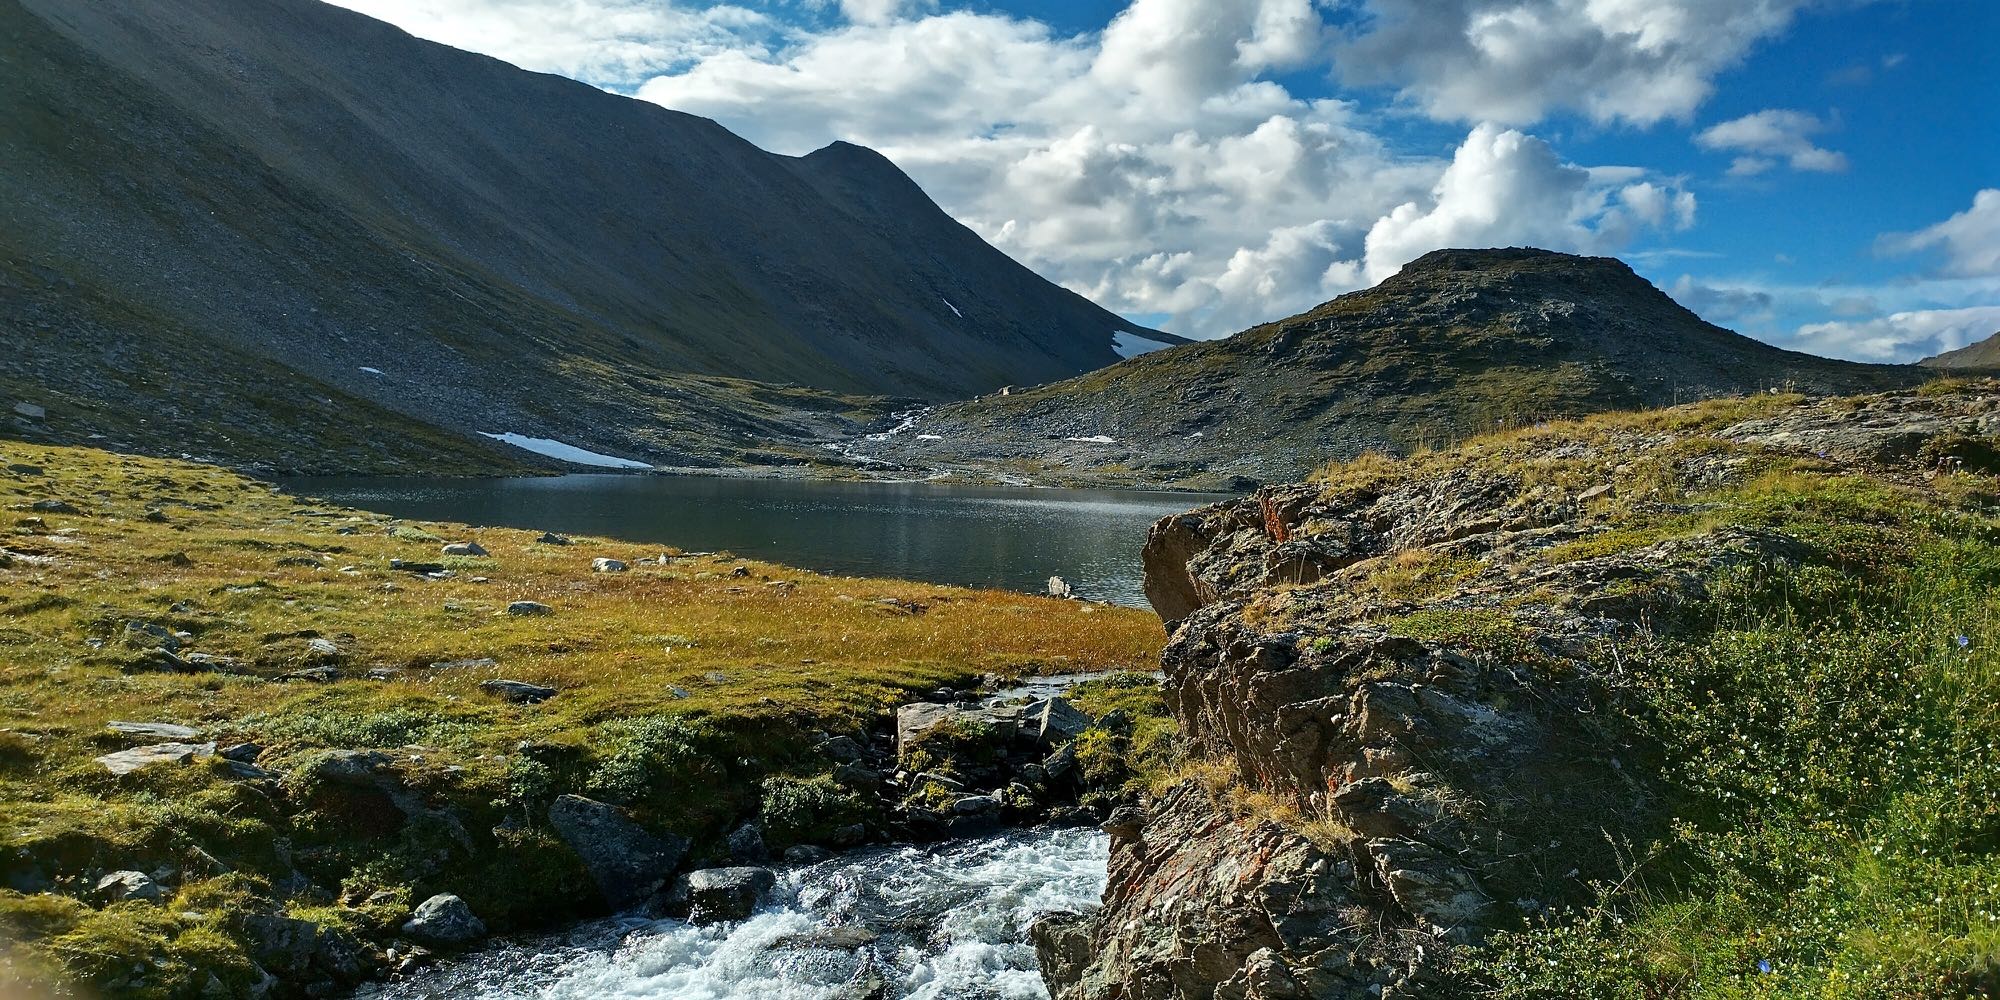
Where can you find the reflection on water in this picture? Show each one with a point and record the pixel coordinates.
(1008, 537)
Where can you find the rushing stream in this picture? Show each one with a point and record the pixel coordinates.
(947, 921)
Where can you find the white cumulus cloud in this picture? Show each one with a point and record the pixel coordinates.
(1902, 336)
(1515, 61)
(1769, 137)
(1970, 240)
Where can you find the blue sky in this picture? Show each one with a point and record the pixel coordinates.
(1806, 171)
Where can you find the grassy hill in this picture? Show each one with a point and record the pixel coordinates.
(1458, 343)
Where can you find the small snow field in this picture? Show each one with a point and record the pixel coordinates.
(1094, 439)
(371, 371)
(1131, 345)
(550, 448)
(953, 308)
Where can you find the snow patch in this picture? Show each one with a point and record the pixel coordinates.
(565, 452)
(371, 371)
(953, 308)
(1094, 439)
(930, 437)
(1131, 345)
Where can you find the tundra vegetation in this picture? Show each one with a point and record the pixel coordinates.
(688, 690)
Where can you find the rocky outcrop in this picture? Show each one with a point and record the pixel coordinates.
(1404, 682)
(627, 862)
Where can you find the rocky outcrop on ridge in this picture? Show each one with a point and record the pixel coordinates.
(1403, 679)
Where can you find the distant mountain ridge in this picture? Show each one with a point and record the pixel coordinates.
(1458, 342)
(1982, 355)
(405, 227)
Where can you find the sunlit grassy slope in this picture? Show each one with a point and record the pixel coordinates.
(682, 685)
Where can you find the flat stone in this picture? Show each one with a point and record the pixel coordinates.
(30, 411)
(127, 761)
(551, 538)
(465, 549)
(529, 608)
(155, 730)
(518, 692)
(603, 565)
(120, 886)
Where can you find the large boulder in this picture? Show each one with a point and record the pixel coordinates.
(444, 919)
(628, 863)
(712, 895)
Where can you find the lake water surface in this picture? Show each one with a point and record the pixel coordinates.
(980, 536)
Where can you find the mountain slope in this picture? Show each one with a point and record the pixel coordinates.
(1459, 342)
(300, 184)
(1983, 355)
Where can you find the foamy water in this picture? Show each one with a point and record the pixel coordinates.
(952, 920)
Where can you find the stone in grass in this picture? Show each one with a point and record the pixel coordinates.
(529, 608)
(518, 692)
(444, 919)
(128, 761)
(155, 730)
(551, 538)
(54, 507)
(711, 895)
(627, 862)
(603, 565)
(465, 549)
(30, 411)
(118, 887)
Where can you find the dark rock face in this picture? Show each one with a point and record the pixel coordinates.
(627, 862)
(1407, 767)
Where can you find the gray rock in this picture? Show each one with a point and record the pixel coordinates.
(916, 719)
(1054, 721)
(627, 862)
(127, 761)
(1060, 588)
(603, 565)
(246, 753)
(30, 411)
(155, 730)
(245, 771)
(746, 844)
(712, 895)
(444, 919)
(54, 507)
(120, 886)
(551, 538)
(806, 854)
(529, 608)
(421, 568)
(316, 675)
(846, 937)
(465, 549)
(518, 692)
(24, 469)
(149, 635)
